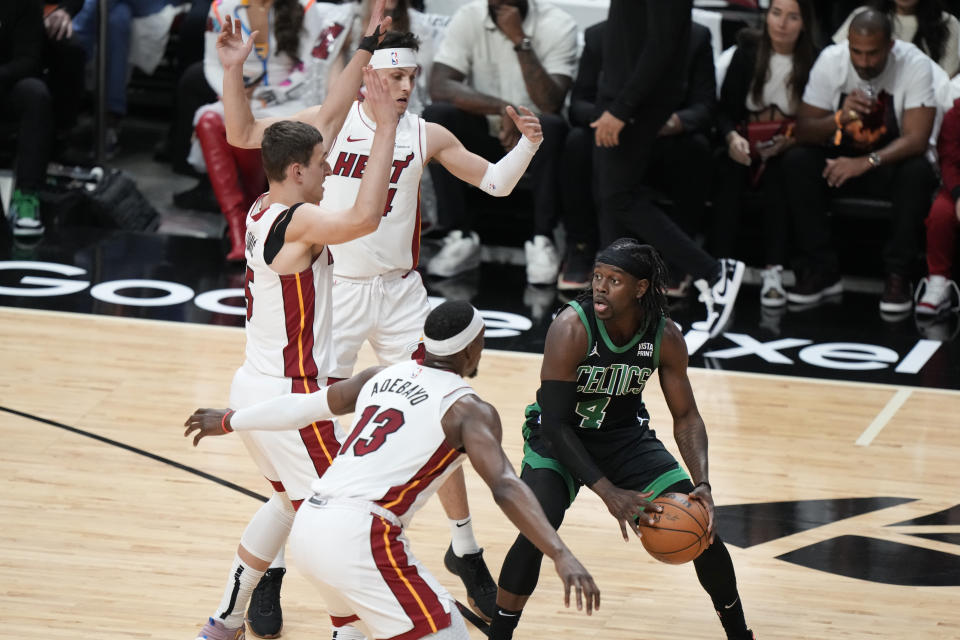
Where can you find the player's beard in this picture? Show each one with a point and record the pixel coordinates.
(473, 374)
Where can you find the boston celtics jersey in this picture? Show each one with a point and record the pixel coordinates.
(611, 378)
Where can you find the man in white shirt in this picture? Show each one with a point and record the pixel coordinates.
(864, 126)
(498, 53)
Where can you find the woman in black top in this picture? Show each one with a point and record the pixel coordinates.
(763, 84)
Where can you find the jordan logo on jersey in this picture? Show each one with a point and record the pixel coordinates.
(594, 351)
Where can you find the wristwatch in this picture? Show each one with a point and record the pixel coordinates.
(874, 160)
(525, 44)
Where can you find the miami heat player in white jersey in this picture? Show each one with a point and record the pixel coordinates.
(350, 543)
(378, 295)
(289, 349)
(395, 245)
(403, 404)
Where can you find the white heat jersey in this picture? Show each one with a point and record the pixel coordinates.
(288, 316)
(396, 243)
(396, 454)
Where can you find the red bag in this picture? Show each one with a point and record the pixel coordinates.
(761, 134)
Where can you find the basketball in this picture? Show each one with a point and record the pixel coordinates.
(679, 533)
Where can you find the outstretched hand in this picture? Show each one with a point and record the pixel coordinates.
(231, 49)
(378, 98)
(575, 576)
(528, 123)
(206, 422)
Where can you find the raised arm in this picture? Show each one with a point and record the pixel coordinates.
(475, 425)
(688, 429)
(319, 226)
(243, 130)
(496, 179)
(566, 346)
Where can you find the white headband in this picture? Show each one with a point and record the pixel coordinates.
(458, 342)
(390, 58)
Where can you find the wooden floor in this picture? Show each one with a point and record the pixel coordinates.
(103, 541)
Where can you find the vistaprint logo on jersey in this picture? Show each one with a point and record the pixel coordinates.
(645, 349)
(251, 242)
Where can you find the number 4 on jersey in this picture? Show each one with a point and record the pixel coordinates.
(592, 412)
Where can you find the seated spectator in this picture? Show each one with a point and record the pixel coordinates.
(938, 293)
(275, 74)
(119, 20)
(25, 100)
(922, 22)
(64, 60)
(864, 126)
(759, 98)
(498, 53)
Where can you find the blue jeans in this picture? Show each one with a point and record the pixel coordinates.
(121, 13)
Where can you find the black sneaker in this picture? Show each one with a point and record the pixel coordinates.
(813, 285)
(199, 197)
(577, 271)
(481, 589)
(897, 294)
(264, 616)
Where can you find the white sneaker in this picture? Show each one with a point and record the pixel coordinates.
(719, 298)
(542, 261)
(772, 293)
(936, 294)
(459, 253)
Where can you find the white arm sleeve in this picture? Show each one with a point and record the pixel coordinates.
(501, 178)
(283, 413)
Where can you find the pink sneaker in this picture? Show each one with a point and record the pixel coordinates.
(214, 630)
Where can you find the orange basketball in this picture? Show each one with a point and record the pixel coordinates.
(679, 533)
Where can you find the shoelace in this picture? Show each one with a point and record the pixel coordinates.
(269, 594)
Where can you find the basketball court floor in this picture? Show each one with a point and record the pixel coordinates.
(834, 440)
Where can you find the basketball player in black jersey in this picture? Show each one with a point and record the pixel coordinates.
(589, 425)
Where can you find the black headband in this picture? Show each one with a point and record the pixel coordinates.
(623, 259)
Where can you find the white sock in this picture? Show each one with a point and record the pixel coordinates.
(240, 585)
(462, 538)
(279, 562)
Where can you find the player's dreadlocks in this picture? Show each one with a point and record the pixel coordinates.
(643, 262)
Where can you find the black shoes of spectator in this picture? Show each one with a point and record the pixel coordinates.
(814, 285)
(264, 616)
(577, 271)
(897, 294)
(481, 589)
(200, 197)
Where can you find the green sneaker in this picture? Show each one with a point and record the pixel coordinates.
(25, 214)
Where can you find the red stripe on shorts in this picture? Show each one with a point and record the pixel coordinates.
(415, 596)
